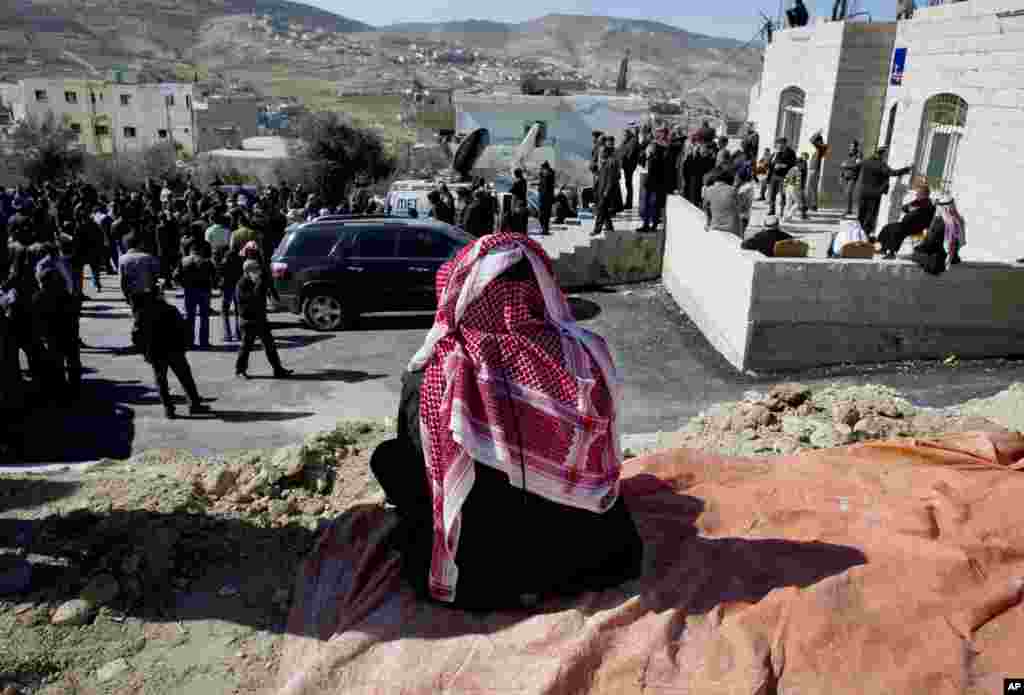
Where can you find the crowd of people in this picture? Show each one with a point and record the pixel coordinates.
(153, 239)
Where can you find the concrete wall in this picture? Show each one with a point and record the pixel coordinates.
(709, 277)
(774, 314)
(842, 68)
(621, 257)
(966, 49)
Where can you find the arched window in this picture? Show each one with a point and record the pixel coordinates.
(791, 115)
(892, 126)
(943, 125)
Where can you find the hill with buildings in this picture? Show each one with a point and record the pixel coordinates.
(285, 48)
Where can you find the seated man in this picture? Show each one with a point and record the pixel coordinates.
(917, 216)
(764, 241)
(849, 232)
(512, 494)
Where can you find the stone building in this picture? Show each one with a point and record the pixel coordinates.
(828, 77)
(955, 112)
(115, 114)
(947, 99)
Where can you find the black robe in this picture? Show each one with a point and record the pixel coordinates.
(512, 542)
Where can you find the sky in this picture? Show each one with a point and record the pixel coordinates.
(736, 19)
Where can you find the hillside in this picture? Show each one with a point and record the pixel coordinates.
(290, 49)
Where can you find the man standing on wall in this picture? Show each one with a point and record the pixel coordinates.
(872, 184)
(849, 170)
(546, 196)
(629, 155)
(814, 171)
(781, 162)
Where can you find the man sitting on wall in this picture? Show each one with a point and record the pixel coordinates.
(917, 216)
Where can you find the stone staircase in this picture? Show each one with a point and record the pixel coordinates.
(621, 256)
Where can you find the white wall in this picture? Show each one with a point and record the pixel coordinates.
(804, 57)
(709, 277)
(965, 49)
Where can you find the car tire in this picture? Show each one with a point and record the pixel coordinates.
(325, 312)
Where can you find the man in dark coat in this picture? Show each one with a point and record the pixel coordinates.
(783, 159)
(607, 195)
(518, 185)
(629, 155)
(751, 143)
(849, 172)
(872, 184)
(595, 154)
(477, 220)
(252, 293)
(54, 323)
(917, 216)
(698, 165)
(546, 195)
(164, 342)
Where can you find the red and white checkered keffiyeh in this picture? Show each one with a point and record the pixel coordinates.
(511, 381)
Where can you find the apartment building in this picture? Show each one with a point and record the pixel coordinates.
(110, 115)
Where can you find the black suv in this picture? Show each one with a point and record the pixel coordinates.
(332, 270)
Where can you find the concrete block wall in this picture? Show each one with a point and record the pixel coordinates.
(965, 49)
(709, 277)
(814, 311)
(776, 313)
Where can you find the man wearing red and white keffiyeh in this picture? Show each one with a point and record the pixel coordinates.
(512, 382)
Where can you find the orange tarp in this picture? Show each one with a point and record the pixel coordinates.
(883, 568)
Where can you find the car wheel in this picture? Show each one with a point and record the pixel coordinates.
(324, 312)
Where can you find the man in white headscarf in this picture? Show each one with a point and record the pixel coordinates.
(849, 232)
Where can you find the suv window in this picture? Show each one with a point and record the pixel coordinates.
(375, 242)
(425, 243)
(311, 243)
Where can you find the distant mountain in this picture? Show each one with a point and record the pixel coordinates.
(466, 26)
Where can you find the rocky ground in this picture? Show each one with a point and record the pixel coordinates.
(170, 573)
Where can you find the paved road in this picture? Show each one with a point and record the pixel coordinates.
(670, 371)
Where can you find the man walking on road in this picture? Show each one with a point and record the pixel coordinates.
(163, 343)
(252, 309)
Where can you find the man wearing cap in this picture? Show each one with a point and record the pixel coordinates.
(783, 159)
(872, 184)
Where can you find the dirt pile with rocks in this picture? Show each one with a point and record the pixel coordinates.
(791, 417)
(167, 572)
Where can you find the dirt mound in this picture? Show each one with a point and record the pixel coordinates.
(167, 572)
(792, 417)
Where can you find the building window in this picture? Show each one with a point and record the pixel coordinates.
(161, 133)
(188, 102)
(943, 125)
(71, 97)
(41, 95)
(791, 115)
(92, 96)
(169, 100)
(129, 131)
(76, 128)
(102, 130)
(186, 131)
(126, 99)
(892, 126)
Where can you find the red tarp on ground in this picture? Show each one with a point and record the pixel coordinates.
(881, 568)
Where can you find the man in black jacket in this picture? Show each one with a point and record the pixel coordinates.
(252, 309)
(783, 159)
(162, 332)
(872, 184)
(629, 155)
(546, 195)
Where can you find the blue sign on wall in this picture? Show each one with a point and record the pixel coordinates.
(899, 61)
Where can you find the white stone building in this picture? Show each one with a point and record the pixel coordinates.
(828, 77)
(957, 116)
(110, 115)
